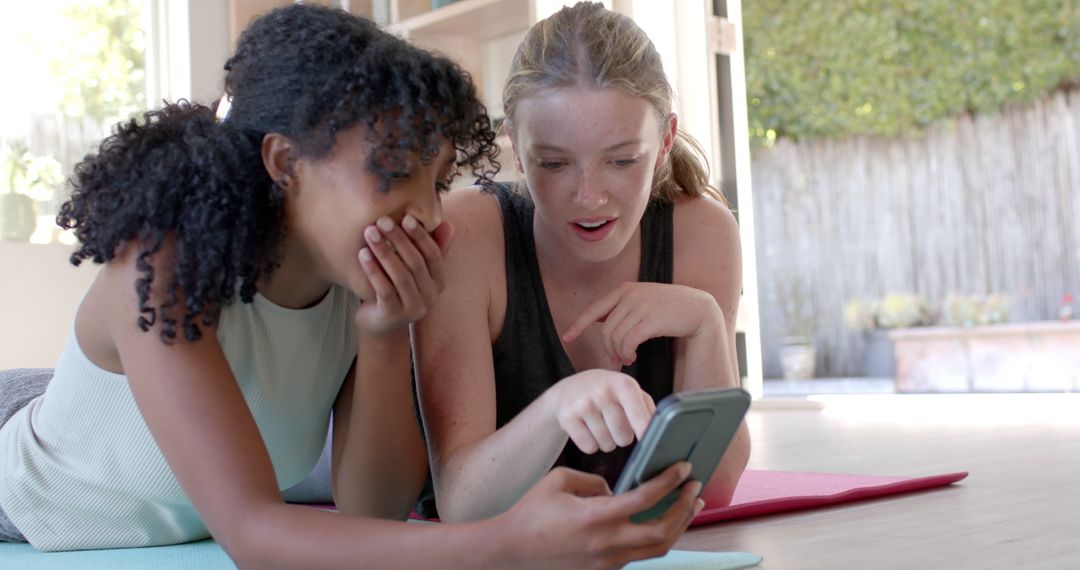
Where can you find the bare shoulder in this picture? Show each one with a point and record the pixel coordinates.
(111, 304)
(706, 241)
(475, 215)
(120, 276)
(476, 262)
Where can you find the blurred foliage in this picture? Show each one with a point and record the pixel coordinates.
(896, 310)
(24, 173)
(970, 310)
(833, 68)
(100, 56)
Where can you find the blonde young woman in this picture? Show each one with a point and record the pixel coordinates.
(608, 279)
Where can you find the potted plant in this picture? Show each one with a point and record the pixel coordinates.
(874, 318)
(902, 310)
(23, 177)
(798, 355)
(878, 360)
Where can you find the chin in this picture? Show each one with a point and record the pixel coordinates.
(361, 287)
(605, 252)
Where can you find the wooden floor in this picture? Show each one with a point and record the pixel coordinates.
(1018, 508)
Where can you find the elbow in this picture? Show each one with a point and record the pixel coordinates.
(449, 510)
(392, 506)
(400, 506)
(451, 513)
(393, 499)
(365, 487)
(721, 488)
(453, 507)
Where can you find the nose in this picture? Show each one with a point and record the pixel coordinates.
(590, 193)
(427, 209)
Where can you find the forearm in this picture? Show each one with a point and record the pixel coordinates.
(383, 463)
(484, 478)
(292, 536)
(708, 361)
(707, 358)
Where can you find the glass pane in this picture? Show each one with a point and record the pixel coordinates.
(73, 69)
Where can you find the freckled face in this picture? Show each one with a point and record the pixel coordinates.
(588, 156)
(337, 197)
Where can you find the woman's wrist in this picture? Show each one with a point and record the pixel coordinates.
(712, 318)
(493, 543)
(543, 426)
(381, 342)
(549, 403)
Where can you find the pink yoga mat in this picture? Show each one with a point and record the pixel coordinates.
(765, 492)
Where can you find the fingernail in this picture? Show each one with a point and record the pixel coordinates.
(372, 234)
(365, 254)
(409, 223)
(684, 470)
(695, 487)
(698, 505)
(385, 224)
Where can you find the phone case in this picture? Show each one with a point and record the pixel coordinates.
(692, 426)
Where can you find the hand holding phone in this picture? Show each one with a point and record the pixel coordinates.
(688, 426)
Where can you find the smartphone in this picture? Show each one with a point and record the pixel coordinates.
(688, 426)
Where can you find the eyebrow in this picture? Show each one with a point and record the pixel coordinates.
(615, 146)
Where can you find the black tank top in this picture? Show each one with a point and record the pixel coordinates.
(528, 355)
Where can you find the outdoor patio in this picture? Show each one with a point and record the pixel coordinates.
(787, 389)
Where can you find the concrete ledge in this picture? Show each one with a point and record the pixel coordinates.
(1018, 357)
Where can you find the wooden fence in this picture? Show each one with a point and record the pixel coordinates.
(978, 205)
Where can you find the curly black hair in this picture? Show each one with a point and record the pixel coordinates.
(304, 71)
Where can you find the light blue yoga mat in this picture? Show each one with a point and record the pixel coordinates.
(693, 560)
(207, 555)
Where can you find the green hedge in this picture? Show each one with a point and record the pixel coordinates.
(832, 68)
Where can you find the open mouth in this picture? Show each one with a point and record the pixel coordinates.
(593, 226)
(593, 230)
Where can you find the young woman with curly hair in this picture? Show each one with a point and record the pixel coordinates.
(260, 272)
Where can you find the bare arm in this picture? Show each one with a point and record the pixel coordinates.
(708, 258)
(380, 462)
(477, 471)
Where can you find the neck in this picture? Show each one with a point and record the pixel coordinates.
(292, 284)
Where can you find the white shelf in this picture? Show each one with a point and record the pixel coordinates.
(478, 20)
